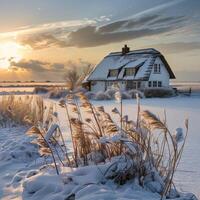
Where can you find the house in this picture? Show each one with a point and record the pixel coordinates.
(138, 69)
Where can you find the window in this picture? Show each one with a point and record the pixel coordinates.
(154, 83)
(159, 84)
(149, 83)
(156, 68)
(113, 73)
(129, 71)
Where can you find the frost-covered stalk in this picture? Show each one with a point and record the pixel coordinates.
(138, 110)
(82, 131)
(118, 98)
(64, 104)
(36, 131)
(62, 138)
(54, 160)
(177, 138)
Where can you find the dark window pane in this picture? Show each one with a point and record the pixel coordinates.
(159, 84)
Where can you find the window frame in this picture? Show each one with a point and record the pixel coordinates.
(130, 71)
(159, 83)
(116, 71)
(157, 68)
(150, 84)
(155, 84)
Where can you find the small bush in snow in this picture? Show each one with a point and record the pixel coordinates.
(111, 92)
(133, 93)
(102, 96)
(125, 95)
(158, 92)
(90, 95)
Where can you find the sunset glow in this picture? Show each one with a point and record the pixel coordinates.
(10, 52)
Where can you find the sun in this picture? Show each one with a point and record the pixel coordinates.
(9, 52)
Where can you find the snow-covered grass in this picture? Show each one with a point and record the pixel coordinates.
(34, 182)
(177, 110)
(20, 110)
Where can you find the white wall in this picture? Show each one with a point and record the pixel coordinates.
(97, 86)
(162, 76)
(110, 84)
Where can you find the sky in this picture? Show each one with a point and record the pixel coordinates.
(39, 40)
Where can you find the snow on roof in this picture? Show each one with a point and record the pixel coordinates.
(140, 51)
(117, 60)
(135, 63)
(143, 69)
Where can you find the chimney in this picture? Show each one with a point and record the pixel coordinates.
(125, 49)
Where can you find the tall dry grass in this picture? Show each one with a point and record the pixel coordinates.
(20, 110)
(49, 138)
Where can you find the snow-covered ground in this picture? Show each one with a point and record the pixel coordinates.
(20, 177)
(16, 153)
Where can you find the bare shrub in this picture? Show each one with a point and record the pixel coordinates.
(75, 76)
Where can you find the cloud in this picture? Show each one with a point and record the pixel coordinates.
(41, 41)
(159, 8)
(112, 26)
(90, 37)
(93, 35)
(54, 28)
(37, 66)
(30, 65)
(178, 47)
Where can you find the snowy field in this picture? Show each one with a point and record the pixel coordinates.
(19, 160)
